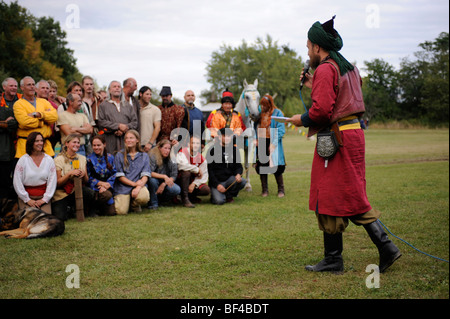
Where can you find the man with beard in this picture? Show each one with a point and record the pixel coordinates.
(115, 118)
(338, 184)
(193, 119)
(171, 116)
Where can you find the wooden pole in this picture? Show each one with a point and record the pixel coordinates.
(79, 198)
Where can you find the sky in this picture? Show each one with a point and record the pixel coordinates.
(170, 42)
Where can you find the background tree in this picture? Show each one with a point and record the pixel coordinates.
(277, 69)
(380, 88)
(35, 47)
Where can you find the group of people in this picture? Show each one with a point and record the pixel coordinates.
(128, 152)
(128, 162)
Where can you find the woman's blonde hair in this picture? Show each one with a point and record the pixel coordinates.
(156, 152)
(68, 138)
(127, 150)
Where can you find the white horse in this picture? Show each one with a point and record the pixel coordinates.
(248, 107)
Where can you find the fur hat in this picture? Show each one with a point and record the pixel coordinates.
(165, 91)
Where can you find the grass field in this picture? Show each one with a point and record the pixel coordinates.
(255, 248)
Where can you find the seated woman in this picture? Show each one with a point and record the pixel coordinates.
(192, 172)
(64, 199)
(35, 175)
(133, 172)
(102, 174)
(164, 173)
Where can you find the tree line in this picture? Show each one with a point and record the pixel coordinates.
(418, 92)
(34, 46)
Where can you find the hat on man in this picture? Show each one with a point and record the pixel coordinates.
(227, 93)
(165, 91)
(328, 38)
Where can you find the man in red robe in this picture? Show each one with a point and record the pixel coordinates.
(338, 184)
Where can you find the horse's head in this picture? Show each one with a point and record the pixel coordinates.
(251, 99)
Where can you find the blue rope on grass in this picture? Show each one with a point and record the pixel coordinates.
(412, 245)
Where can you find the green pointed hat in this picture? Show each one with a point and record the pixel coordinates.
(328, 38)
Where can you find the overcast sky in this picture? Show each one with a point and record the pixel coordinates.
(169, 42)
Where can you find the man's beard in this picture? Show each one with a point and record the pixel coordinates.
(314, 61)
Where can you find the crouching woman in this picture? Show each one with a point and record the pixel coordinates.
(133, 171)
(102, 174)
(70, 165)
(164, 173)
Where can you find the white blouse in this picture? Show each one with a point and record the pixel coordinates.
(27, 173)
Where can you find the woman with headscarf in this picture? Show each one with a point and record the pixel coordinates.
(269, 146)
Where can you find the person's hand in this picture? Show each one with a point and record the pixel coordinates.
(123, 127)
(191, 187)
(161, 188)
(308, 79)
(135, 191)
(76, 173)
(168, 181)
(221, 188)
(238, 178)
(296, 120)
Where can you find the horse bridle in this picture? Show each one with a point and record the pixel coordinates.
(251, 116)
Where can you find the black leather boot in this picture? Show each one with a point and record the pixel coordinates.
(280, 183)
(264, 185)
(185, 180)
(389, 253)
(333, 260)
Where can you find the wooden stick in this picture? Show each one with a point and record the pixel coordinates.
(235, 179)
(79, 198)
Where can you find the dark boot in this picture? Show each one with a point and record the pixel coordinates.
(185, 181)
(333, 260)
(264, 185)
(389, 253)
(280, 183)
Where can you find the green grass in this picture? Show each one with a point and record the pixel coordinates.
(256, 247)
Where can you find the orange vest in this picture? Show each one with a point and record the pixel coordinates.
(3, 101)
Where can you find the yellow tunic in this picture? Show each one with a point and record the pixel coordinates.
(28, 124)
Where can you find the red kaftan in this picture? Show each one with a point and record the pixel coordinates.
(340, 188)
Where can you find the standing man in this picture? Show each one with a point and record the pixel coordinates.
(33, 115)
(71, 121)
(150, 119)
(338, 185)
(171, 116)
(10, 95)
(129, 87)
(193, 118)
(92, 100)
(8, 127)
(115, 118)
